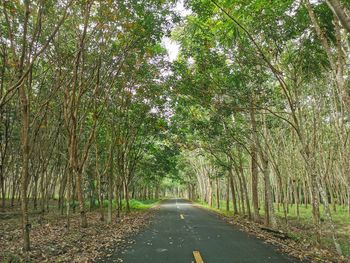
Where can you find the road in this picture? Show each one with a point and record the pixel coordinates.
(179, 228)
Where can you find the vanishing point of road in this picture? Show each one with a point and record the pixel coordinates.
(183, 233)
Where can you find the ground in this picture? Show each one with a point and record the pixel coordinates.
(53, 242)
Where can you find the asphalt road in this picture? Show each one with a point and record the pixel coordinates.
(180, 228)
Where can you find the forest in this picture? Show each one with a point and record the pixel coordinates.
(249, 119)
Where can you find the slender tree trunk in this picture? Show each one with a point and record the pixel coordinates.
(210, 193)
(126, 189)
(242, 194)
(270, 218)
(14, 186)
(233, 193)
(329, 217)
(119, 200)
(110, 197)
(254, 165)
(156, 195)
(42, 194)
(245, 188)
(100, 198)
(110, 185)
(227, 193)
(69, 195)
(2, 182)
(83, 219)
(62, 189)
(217, 194)
(25, 114)
(296, 199)
(25, 167)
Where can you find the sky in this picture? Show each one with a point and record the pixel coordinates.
(171, 46)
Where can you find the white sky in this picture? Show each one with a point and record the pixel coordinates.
(171, 46)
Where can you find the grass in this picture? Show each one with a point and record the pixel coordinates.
(222, 210)
(134, 204)
(140, 204)
(341, 217)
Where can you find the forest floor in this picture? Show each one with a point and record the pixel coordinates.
(51, 241)
(298, 237)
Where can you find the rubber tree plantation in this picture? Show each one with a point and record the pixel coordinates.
(110, 108)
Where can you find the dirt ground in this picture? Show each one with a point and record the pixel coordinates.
(52, 241)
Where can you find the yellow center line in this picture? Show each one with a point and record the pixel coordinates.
(182, 216)
(197, 257)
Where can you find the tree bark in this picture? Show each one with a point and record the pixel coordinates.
(25, 168)
(217, 194)
(254, 165)
(25, 113)
(340, 12)
(126, 189)
(227, 193)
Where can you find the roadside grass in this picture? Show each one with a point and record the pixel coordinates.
(340, 216)
(14, 213)
(140, 204)
(222, 210)
(302, 228)
(135, 204)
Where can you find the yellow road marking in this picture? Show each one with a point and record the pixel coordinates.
(182, 216)
(197, 257)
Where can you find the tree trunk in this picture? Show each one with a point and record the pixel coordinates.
(2, 182)
(83, 219)
(126, 189)
(110, 198)
(210, 193)
(245, 188)
(270, 218)
(100, 199)
(254, 164)
(25, 167)
(233, 193)
(110, 183)
(242, 194)
(340, 12)
(227, 193)
(217, 194)
(329, 217)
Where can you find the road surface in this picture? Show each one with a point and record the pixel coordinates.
(179, 229)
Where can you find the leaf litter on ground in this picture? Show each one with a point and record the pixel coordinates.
(53, 242)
